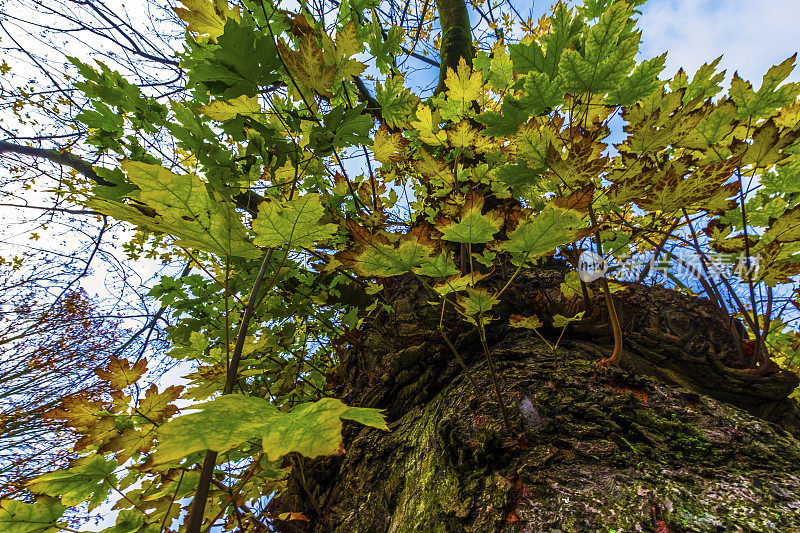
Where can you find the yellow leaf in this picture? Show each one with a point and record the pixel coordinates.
(428, 127)
(528, 322)
(789, 116)
(463, 85)
(338, 54)
(207, 16)
(347, 43)
(307, 65)
(223, 110)
(386, 146)
(120, 373)
(463, 136)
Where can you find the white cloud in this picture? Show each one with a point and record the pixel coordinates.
(750, 35)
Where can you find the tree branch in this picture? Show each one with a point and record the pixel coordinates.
(456, 37)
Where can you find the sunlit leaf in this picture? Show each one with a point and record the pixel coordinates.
(293, 223)
(311, 429)
(39, 517)
(184, 209)
(88, 479)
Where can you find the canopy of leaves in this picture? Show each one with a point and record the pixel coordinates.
(299, 189)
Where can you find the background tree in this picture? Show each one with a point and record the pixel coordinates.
(314, 282)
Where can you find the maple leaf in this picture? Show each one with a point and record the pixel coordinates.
(206, 16)
(543, 93)
(607, 60)
(39, 517)
(293, 223)
(784, 229)
(464, 85)
(311, 429)
(387, 147)
(473, 227)
(477, 302)
(338, 53)
(565, 28)
(703, 188)
(427, 124)
(571, 286)
(222, 110)
(767, 147)
(458, 283)
(714, 127)
(561, 321)
(119, 373)
(549, 229)
(498, 70)
(307, 65)
(641, 83)
(156, 406)
(439, 267)
(376, 256)
(397, 102)
(89, 479)
(528, 322)
(753, 105)
(582, 165)
(463, 136)
(183, 208)
(656, 125)
(128, 442)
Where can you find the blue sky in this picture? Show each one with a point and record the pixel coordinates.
(750, 35)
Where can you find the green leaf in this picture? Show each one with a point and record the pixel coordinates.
(397, 102)
(543, 94)
(311, 429)
(244, 61)
(294, 223)
(642, 82)
(340, 128)
(606, 61)
(384, 48)
(382, 259)
(88, 479)
(571, 286)
(38, 517)
(128, 521)
(183, 208)
(518, 175)
(527, 322)
(477, 302)
(551, 228)
(498, 70)
(514, 113)
(206, 16)
(565, 28)
(771, 96)
(527, 57)
(222, 110)
(474, 227)
(560, 321)
(439, 267)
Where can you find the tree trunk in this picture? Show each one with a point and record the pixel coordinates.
(675, 439)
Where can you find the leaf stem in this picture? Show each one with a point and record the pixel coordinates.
(204, 483)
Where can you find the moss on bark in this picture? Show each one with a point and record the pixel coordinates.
(642, 447)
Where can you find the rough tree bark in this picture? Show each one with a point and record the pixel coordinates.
(675, 439)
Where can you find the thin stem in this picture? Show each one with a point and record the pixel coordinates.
(493, 373)
(616, 355)
(204, 483)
